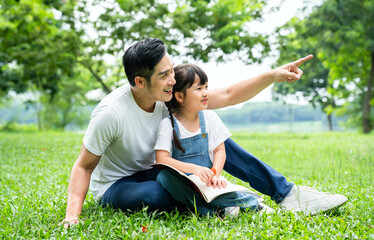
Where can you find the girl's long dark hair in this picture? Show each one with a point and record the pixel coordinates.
(185, 75)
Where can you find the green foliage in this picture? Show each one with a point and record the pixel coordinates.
(35, 168)
(292, 45)
(198, 29)
(68, 106)
(35, 50)
(223, 25)
(12, 126)
(313, 85)
(46, 45)
(341, 36)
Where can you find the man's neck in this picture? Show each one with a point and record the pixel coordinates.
(143, 100)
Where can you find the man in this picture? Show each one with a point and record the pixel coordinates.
(118, 145)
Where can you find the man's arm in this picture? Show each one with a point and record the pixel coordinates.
(245, 90)
(78, 185)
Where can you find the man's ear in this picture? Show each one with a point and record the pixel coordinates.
(179, 96)
(140, 82)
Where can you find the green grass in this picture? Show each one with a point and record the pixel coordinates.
(35, 167)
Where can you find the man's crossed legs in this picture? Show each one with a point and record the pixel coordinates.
(141, 189)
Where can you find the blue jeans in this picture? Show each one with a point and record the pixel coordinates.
(139, 190)
(260, 176)
(142, 189)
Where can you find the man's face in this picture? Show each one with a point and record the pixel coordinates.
(162, 80)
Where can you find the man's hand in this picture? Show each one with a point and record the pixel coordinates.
(67, 222)
(204, 173)
(290, 72)
(216, 182)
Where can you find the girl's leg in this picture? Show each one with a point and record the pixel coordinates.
(182, 191)
(243, 200)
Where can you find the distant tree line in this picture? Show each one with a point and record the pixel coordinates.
(270, 112)
(258, 112)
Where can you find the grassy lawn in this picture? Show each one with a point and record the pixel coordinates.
(35, 167)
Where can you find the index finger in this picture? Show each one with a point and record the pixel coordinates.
(303, 60)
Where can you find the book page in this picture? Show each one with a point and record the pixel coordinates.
(209, 193)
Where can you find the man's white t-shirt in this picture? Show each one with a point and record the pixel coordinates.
(123, 135)
(217, 133)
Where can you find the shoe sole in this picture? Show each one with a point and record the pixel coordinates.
(331, 209)
(312, 211)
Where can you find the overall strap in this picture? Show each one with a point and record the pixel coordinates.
(202, 122)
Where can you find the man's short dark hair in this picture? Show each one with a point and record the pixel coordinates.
(141, 58)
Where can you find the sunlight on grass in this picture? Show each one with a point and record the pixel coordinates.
(35, 168)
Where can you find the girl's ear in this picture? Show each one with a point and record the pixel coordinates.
(140, 82)
(179, 96)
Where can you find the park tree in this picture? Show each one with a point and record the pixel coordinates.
(199, 30)
(313, 85)
(45, 44)
(36, 52)
(342, 34)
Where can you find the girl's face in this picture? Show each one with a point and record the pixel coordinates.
(196, 97)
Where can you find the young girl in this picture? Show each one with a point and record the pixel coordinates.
(192, 141)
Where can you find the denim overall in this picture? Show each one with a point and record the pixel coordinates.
(196, 148)
(197, 152)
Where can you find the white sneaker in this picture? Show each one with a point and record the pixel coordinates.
(263, 208)
(231, 212)
(310, 201)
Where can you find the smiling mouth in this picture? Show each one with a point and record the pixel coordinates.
(168, 91)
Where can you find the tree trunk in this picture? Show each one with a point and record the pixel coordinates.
(65, 114)
(367, 127)
(329, 120)
(97, 77)
(38, 111)
(39, 119)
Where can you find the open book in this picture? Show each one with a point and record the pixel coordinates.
(207, 192)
